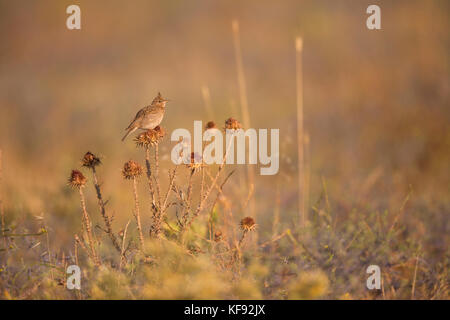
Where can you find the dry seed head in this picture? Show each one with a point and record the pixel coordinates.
(210, 125)
(150, 137)
(196, 162)
(232, 124)
(77, 179)
(218, 236)
(90, 160)
(248, 224)
(131, 170)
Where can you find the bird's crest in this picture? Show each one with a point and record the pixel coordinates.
(159, 98)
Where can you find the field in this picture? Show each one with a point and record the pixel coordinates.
(370, 185)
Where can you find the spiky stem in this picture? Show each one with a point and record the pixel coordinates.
(103, 212)
(137, 214)
(186, 209)
(149, 176)
(158, 189)
(158, 216)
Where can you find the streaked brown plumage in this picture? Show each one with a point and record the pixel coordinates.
(148, 117)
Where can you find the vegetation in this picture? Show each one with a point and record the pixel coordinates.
(371, 119)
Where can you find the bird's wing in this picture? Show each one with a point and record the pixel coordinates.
(138, 116)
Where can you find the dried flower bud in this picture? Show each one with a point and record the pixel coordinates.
(196, 162)
(150, 137)
(218, 236)
(77, 179)
(210, 125)
(232, 124)
(131, 170)
(248, 224)
(90, 160)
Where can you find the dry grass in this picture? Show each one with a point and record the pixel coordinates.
(375, 154)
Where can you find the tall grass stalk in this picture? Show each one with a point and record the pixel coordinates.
(414, 279)
(207, 101)
(300, 133)
(244, 103)
(2, 210)
(307, 169)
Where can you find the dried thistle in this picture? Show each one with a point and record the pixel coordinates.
(150, 137)
(218, 236)
(196, 162)
(248, 224)
(131, 170)
(90, 160)
(210, 125)
(232, 124)
(77, 179)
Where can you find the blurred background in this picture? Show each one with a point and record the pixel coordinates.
(376, 103)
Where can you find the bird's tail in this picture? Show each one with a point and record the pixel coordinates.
(130, 131)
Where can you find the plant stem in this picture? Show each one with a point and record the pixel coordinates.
(158, 189)
(137, 214)
(88, 228)
(149, 175)
(2, 212)
(105, 216)
(300, 133)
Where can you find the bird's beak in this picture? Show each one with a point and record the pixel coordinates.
(167, 100)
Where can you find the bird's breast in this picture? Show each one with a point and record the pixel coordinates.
(150, 121)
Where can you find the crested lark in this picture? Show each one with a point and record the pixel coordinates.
(148, 117)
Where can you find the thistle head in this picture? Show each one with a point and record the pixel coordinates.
(150, 137)
(131, 170)
(248, 224)
(196, 162)
(218, 236)
(77, 179)
(232, 124)
(210, 125)
(90, 160)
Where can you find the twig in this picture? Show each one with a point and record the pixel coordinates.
(213, 183)
(122, 251)
(186, 209)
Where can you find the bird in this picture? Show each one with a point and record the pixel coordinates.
(148, 117)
